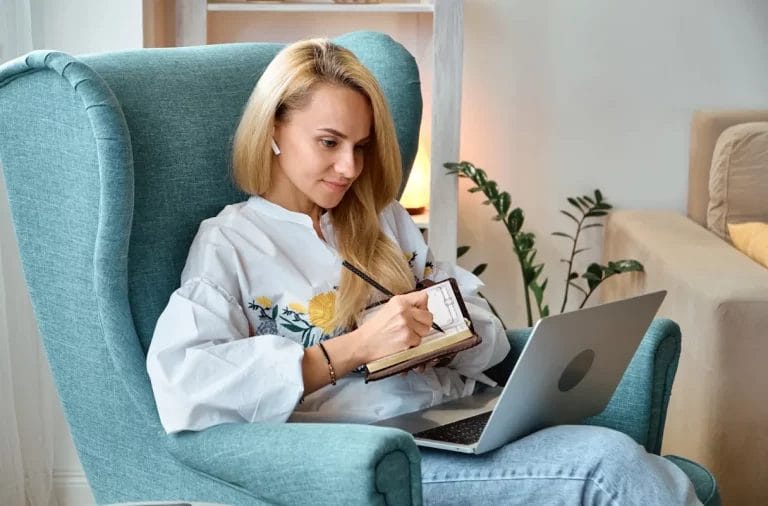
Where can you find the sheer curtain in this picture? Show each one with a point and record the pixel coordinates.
(26, 393)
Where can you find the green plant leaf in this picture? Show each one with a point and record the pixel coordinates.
(563, 234)
(620, 266)
(525, 240)
(461, 251)
(570, 216)
(574, 203)
(544, 311)
(583, 202)
(598, 196)
(475, 189)
(576, 252)
(515, 220)
(591, 225)
(479, 269)
(592, 214)
(480, 177)
(529, 274)
(589, 199)
(573, 276)
(504, 201)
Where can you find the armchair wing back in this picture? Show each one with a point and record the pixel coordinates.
(111, 161)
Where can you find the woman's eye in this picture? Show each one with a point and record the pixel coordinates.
(328, 143)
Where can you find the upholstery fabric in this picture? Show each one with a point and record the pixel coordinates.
(717, 413)
(110, 162)
(703, 481)
(738, 179)
(751, 239)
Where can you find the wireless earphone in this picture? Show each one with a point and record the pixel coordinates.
(275, 149)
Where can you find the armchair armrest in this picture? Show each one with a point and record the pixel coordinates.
(638, 407)
(307, 463)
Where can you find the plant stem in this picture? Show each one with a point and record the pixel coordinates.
(570, 263)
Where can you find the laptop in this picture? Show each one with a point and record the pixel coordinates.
(568, 370)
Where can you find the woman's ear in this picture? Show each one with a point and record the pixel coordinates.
(275, 148)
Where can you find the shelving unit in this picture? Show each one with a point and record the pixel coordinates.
(402, 7)
(447, 43)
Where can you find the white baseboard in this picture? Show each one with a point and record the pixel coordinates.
(72, 489)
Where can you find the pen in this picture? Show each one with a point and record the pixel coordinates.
(377, 286)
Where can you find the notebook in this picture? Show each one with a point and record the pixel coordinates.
(449, 313)
(568, 370)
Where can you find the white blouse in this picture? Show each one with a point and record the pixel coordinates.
(259, 287)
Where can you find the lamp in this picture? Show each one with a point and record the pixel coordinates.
(415, 197)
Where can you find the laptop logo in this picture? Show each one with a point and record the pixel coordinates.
(576, 370)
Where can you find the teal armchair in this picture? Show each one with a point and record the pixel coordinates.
(111, 161)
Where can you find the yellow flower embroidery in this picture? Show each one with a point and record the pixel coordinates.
(427, 270)
(322, 308)
(299, 308)
(264, 302)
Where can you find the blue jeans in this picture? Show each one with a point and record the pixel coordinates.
(567, 464)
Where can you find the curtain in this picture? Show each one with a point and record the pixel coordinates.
(27, 397)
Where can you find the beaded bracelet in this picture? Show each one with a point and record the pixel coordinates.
(331, 371)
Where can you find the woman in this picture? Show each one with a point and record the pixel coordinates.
(261, 328)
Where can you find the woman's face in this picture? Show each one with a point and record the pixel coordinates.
(321, 149)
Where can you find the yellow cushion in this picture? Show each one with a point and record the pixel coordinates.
(752, 239)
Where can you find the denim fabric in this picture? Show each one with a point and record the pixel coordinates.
(567, 464)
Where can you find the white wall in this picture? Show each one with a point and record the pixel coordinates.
(86, 26)
(561, 97)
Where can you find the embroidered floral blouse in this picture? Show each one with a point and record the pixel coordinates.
(259, 287)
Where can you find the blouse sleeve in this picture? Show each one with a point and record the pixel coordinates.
(206, 368)
(495, 346)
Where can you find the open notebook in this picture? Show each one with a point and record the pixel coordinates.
(449, 312)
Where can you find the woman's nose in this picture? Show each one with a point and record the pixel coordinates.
(346, 163)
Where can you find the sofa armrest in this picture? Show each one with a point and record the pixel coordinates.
(719, 297)
(638, 407)
(307, 463)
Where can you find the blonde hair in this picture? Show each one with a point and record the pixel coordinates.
(287, 85)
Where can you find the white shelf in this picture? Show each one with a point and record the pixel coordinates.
(313, 7)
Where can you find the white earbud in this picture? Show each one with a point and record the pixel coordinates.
(275, 149)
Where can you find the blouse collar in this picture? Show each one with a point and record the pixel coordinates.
(266, 207)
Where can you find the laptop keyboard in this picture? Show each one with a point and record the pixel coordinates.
(466, 431)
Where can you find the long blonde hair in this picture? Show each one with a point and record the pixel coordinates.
(285, 86)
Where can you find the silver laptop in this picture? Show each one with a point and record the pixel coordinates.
(568, 370)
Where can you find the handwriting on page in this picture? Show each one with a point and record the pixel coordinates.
(445, 309)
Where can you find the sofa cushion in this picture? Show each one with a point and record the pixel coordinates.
(751, 239)
(738, 178)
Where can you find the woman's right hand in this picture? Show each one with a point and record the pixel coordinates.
(400, 324)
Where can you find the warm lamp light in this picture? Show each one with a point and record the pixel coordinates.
(415, 198)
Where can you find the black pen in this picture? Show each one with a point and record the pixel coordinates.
(377, 286)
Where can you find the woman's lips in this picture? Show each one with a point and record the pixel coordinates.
(336, 186)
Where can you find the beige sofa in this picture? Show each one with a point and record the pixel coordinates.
(718, 414)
